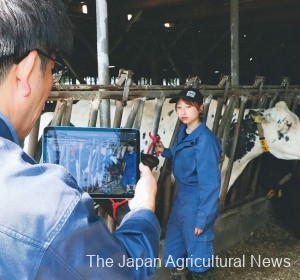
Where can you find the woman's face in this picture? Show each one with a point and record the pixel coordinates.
(130, 148)
(186, 112)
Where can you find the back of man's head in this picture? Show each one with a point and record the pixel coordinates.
(32, 24)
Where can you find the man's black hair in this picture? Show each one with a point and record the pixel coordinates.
(32, 24)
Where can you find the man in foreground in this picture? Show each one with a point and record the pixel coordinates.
(48, 228)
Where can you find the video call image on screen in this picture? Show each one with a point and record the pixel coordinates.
(103, 161)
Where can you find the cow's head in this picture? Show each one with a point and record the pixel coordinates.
(282, 131)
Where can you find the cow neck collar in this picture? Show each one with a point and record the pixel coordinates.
(263, 143)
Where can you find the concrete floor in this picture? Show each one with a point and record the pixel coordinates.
(162, 274)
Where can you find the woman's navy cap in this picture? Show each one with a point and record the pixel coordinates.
(191, 94)
(131, 143)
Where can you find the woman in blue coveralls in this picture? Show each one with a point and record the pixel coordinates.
(130, 170)
(196, 155)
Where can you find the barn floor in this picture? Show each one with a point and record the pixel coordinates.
(258, 257)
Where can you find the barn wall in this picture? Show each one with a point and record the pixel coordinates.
(239, 222)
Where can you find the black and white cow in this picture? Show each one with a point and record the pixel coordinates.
(281, 129)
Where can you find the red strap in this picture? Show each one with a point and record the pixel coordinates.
(155, 140)
(115, 205)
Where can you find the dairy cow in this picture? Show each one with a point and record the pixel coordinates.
(280, 126)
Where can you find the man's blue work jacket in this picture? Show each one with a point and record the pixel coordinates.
(49, 229)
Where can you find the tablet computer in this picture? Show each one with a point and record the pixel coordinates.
(104, 161)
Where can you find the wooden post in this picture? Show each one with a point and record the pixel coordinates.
(164, 182)
(94, 107)
(226, 116)
(133, 112)
(206, 106)
(218, 115)
(66, 118)
(224, 189)
(118, 113)
(139, 115)
(58, 113)
(234, 23)
(156, 117)
(226, 129)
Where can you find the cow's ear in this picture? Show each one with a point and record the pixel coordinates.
(281, 105)
(285, 114)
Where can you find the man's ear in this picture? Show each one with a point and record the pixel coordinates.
(24, 70)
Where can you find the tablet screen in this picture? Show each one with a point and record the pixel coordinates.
(104, 161)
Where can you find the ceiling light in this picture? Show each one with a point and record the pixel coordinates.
(84, 8)
(169, 24)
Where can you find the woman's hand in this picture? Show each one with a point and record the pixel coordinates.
(159, 148)
(198, 231)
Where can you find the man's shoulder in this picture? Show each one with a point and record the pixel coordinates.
(35, 199)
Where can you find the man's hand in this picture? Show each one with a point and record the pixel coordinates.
(145, 190)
